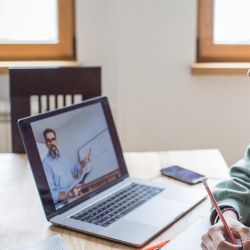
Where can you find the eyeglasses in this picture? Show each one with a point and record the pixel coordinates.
(50, 140)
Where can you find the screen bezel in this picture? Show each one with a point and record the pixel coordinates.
(36, 163)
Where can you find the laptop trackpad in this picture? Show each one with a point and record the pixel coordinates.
(158, 212)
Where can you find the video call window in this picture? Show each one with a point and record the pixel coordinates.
(76, 152)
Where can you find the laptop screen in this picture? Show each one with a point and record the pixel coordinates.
(78, 150)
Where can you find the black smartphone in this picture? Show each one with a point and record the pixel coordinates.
(182, 174)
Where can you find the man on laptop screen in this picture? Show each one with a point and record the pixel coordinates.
(62, 173)
(73, 159)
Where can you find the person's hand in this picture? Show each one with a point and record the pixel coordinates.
(85, 161)
(217, 239)
(75, 191)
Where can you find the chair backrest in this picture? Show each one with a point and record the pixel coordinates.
(51, 88)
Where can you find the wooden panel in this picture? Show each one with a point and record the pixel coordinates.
(220, 68)
(20, 107)
(48, 81)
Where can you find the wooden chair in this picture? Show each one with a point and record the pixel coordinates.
(52, 88)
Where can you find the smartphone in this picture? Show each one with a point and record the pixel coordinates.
(182, 174)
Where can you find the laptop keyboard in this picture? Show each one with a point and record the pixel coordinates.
(117, 205)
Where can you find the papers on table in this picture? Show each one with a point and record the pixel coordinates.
(55, 242)
(190, 239)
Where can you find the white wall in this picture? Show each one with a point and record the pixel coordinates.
(4, 87)
(146, 48)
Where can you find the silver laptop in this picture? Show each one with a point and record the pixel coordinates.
(83, 182)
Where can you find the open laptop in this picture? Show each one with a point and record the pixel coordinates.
(83, 181)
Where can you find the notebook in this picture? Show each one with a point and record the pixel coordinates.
(83, 182)
(190, 239)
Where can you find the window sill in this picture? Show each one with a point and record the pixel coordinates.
(5, 65)
(220, 68)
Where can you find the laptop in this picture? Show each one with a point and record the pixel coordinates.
(83, 182)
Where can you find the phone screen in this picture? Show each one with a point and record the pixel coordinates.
(182, 174)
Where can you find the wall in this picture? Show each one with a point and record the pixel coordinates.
(4, 87)
(5, 137)
(146, 48)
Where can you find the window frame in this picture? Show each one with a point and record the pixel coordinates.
(209, 52)
(63, 50)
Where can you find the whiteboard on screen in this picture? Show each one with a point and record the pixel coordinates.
(102, 155)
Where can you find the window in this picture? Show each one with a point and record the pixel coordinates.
(36, 29)
(223, 31)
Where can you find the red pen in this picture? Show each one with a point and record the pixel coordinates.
(158, 245)
(228, 230)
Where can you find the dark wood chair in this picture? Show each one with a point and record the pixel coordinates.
(65, 85)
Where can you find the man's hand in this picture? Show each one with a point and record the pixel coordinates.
(217, 239)
(75, 191)
(85, 161)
